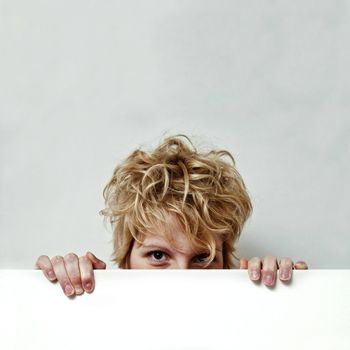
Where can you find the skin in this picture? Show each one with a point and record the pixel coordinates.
(156, 253)
(75, 274)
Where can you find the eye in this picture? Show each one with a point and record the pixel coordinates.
(203, 258)
(156, 255)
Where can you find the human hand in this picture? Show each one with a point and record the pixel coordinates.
(74, 274)
(269, 269)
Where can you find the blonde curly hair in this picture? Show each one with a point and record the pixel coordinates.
(207, 195)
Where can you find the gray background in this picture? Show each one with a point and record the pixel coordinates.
(83, 83)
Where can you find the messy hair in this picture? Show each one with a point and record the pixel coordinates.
(206, 194)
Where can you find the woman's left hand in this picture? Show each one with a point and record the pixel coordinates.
(267, 269)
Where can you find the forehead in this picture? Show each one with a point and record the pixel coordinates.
(178, 236)
(180, 242)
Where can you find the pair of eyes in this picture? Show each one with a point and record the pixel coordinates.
(158, 254)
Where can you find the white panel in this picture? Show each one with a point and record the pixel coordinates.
(176, 309)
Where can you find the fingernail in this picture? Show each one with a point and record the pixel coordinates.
(301, 265)
(79, 289)
(285, 274)
(268, 279)
(68, 289)
(51, 274)
(88, 286)
(254, 274)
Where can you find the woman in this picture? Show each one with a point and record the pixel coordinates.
(174, 208)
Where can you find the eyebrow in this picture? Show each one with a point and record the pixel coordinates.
(154, 246)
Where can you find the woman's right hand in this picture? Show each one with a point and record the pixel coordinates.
(74, 274)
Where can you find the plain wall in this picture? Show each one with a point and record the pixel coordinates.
(84, 83)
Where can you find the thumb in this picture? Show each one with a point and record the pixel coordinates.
(96, 263)
(243, 264)
(301, 265)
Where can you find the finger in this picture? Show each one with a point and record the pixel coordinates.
(71, 261)
(301, 265)
(87, 273)
(43, 263)
(286, 268)
(62, 276)
(243, 264)
(269, 270)
(96, 263)
(254, 268)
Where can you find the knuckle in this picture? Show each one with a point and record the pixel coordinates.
(57, 260)
(269, 263)
(254, 266)
(42, 257)
(286, 262)
(255, 260)
(84, 259)
(40, 261)
(86, 263)
(70, 257)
